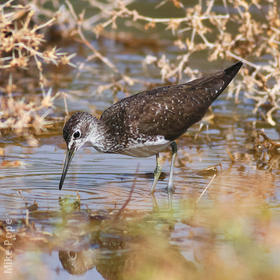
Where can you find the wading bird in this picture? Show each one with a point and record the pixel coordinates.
(146, 123)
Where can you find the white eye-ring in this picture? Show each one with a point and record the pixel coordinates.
(77, 134)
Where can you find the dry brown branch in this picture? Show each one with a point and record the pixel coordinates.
(21, 47)
(252, 37)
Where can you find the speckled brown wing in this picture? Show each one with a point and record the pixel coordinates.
(172, 116)
(168, 111)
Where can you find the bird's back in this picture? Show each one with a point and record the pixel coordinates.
(167, 111)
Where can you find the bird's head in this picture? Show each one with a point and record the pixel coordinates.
(76, 132)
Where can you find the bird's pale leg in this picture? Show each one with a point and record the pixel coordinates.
(157, 173)
(174, 154)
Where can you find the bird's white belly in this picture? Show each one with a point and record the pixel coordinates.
(146, 149)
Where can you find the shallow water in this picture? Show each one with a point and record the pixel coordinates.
(103, 182)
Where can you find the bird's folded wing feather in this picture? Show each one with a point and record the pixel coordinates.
(168, 111)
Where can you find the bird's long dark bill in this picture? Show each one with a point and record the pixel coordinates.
(68, 158)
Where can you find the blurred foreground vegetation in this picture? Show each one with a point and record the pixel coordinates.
(222, 239)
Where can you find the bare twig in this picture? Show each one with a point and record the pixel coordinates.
(130, 194)
(206, 188)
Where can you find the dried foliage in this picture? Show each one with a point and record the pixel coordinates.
(22, 51)
(244, 30)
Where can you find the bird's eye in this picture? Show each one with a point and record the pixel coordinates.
(77, 134)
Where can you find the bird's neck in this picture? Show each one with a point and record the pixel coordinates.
(100, 138)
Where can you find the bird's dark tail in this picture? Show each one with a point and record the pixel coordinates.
(209, 87)
(229, 73)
